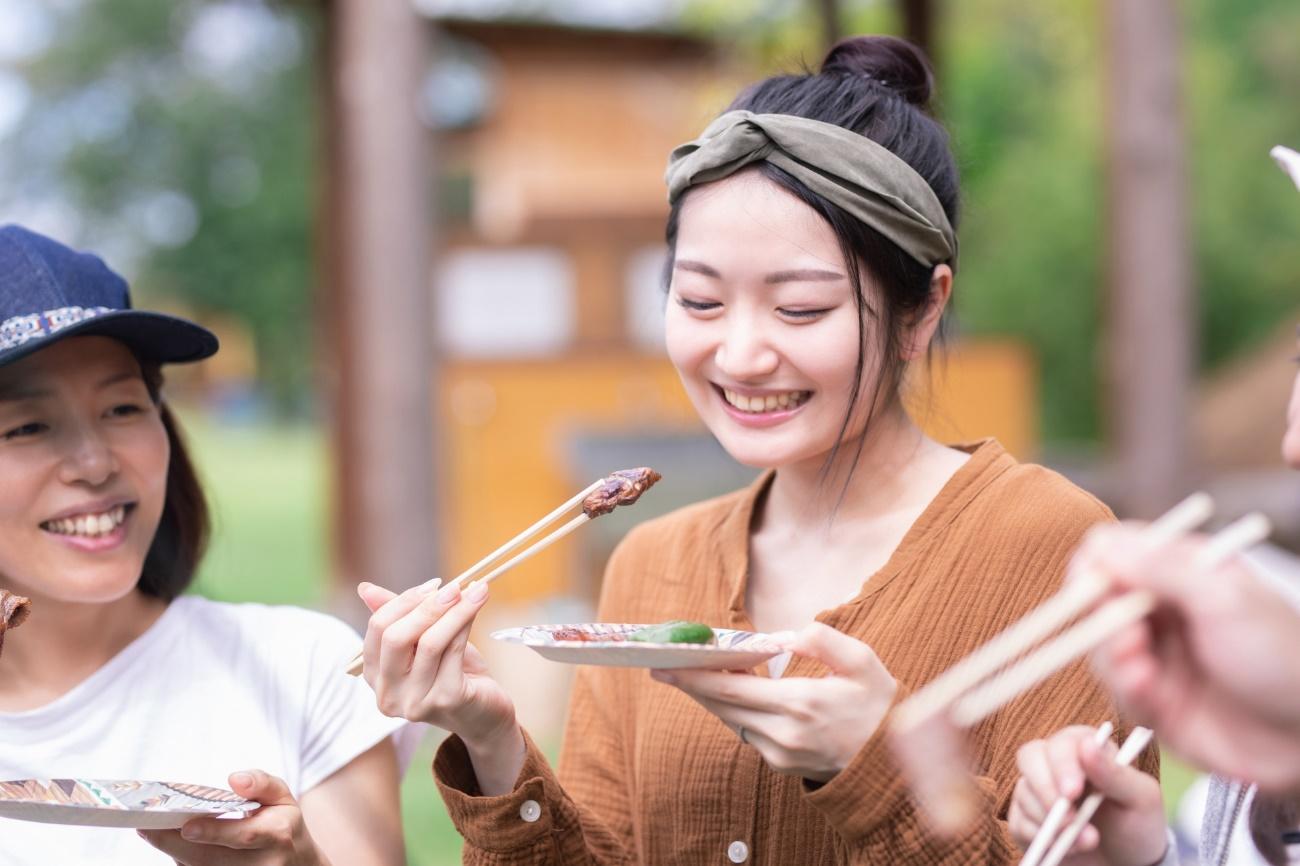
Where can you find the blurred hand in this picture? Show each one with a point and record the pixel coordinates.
(1215, 669)
(1128, 829)
(802, 726)
(423, 668)
(274, 835)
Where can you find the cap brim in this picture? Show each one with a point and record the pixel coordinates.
(152, 336)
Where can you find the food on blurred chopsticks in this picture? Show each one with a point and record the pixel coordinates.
(622, 487)
(14, 610)
(676, 631)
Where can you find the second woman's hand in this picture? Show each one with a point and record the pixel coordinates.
(274, 835)
(802, 726)
(423, 668)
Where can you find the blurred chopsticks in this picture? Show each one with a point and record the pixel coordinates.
(1137, 741)
(357, 664)
(950, 690)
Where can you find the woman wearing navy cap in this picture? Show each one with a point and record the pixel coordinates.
(117, 675)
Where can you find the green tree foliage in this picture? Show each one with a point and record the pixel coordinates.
(182, 131)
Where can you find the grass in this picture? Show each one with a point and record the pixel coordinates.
(268, 490)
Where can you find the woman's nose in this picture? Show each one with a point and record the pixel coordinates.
(88, 457)
(745, 353)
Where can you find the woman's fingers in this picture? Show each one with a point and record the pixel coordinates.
(1024, 817)
(843, 654)
(389, 613)
(446, 669)
(739, 690)
(431, 627)
(1036, 772)
(1063, 758)
(1124, 786)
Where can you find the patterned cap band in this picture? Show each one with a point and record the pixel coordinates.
(849, 169)
(24, 329)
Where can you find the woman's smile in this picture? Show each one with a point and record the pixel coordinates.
(761, 408)
(93, 527)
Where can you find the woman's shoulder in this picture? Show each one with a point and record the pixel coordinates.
(1022, 497)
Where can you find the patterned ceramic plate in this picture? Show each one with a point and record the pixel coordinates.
(735, 650)
(100, 803)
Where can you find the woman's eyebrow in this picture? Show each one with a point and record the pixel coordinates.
(697, 267)
(803, 275)
(18, 392)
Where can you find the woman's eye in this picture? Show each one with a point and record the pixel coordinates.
(698, 306)
(804, 314)
(35, 428)
(125, 410)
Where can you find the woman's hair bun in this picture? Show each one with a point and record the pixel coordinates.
(886, 60)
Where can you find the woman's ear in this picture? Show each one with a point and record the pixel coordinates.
(926, 322)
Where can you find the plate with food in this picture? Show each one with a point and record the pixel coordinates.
(116, 803)
(676, 644)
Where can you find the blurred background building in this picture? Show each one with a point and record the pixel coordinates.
(430, 235)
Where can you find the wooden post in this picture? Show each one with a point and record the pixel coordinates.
(1150, 315)
(918, 26)
(377, 214)
(832, 22)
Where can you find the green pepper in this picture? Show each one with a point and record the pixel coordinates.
(677, 631)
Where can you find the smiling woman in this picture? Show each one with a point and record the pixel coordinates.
(102, 524)
(812, 256)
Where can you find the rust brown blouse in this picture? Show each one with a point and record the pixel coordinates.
(648, 777)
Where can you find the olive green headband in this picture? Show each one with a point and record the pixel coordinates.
(851, 170)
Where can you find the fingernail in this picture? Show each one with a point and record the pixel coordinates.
(477, 591)
(663, 677)
(190, 833)
(447, 594)
(429, 586)
(362, 587)
(241, 779)
(782, 638)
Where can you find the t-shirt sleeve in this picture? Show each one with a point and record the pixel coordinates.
(341, 720)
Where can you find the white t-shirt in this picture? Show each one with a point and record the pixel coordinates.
(209, 689)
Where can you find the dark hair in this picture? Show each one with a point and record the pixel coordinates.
(182, 535)
(879, 87)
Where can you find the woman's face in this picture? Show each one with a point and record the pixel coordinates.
(83, 471)
(762, 324)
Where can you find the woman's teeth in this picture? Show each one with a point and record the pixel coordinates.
(89, 525)
(767, 402)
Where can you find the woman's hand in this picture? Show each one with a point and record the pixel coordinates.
(802, 726)
(274, 835)
(1128, 829)
(423, 668)
(1216, 668)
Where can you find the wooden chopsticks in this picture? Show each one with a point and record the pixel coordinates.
(1137, 741)
(1095, 628)
(1077, 595)
(357, 665)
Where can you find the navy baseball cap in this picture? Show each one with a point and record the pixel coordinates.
(49, 292)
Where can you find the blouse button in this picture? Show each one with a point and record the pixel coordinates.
(737, 852)
(530, 811)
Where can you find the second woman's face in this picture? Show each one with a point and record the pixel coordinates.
(762, 324)
(83, 471)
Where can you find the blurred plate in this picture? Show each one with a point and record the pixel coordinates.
(115, 803)
(735, 650)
